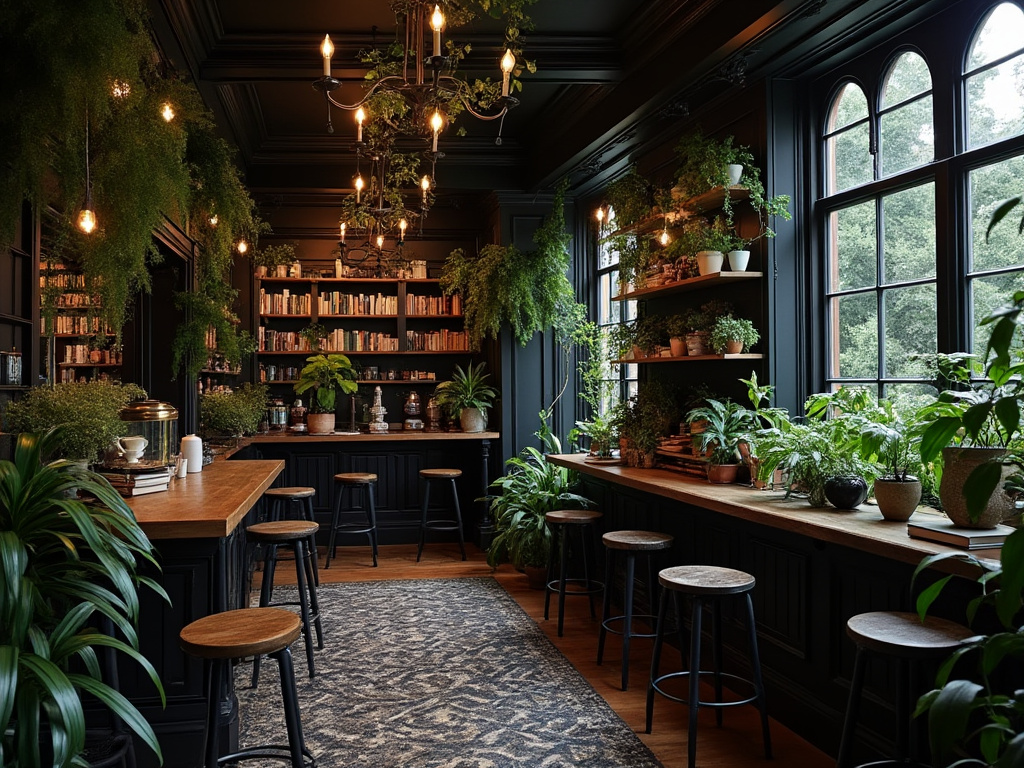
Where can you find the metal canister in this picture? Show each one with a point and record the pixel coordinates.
(278, 413)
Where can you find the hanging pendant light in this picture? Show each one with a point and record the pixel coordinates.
(87, 217)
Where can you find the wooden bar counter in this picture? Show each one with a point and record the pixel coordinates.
(197, 529)
(815, 568)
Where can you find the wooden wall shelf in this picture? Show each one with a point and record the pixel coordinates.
(690, 358)
(690, 284)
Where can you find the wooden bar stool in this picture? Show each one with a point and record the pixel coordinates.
(631, 543)
(706, 583)
(294, 502)
(903, 637)
(295, 534)
(562, 521)
(429, 476)
(352, 482)
(221, 637)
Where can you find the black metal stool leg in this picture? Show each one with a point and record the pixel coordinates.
(293, 724)
(627, 630)
(852, 710)
(716, 649)
(423, 520)
(372, 513)
(458, 518)
(585, 531)
(606, 607)
(300, 575)
(335, 521)
(561, 579)
(212, 749)
(307, 503)
(755, 662)
(266, 592)
(314, 602)
(556, 533)
(659, 635)
(694, 681)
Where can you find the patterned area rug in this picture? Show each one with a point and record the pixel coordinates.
(438, 673)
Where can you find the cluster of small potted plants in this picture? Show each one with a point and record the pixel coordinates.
(710, 329)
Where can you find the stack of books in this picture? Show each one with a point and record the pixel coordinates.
(947, 532)
(129, 483)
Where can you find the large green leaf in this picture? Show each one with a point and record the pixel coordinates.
(948, 716)
(980, 485)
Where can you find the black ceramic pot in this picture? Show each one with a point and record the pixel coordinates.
(846, 491)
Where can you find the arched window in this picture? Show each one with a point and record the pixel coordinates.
(848, 140)
(906, 131)
(994, 77)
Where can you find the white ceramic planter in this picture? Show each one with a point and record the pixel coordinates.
(738, 260)
(709, 262)
(735, 173)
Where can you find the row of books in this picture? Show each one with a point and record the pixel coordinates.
(79, 324)
(130, 484)
(443, 340)
(433, 305)
(280, 341)
(82, 354)
(284, 303)
(62, 279)
(361, 341)
(77, 301)
(337, 303)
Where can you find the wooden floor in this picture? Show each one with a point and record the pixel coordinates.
(735, 745)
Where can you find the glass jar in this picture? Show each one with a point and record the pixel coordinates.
(278, 413)
(156, 423)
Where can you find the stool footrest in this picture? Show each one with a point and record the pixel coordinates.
(596, 586)
(353, 528)
(655, 684)
(441, 525)
(652, 619)
(267, 752)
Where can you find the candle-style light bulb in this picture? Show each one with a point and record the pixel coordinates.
(343, 232)
(436, 24)
(508, 63)
(359, 186)
(87, 219)
(214, 220)
(360, 117)
(242, 246)
(436, 123)
(425, 186)
(380, 241)
(403, 225)
(663, 239)
(600, 215)
(167, 112)
(327, 49)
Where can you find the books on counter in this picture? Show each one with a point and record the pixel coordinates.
(947, 532)
(130, 484)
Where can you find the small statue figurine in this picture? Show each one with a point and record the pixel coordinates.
(377, 412)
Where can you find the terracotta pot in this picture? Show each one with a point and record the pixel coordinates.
(710, 262)
(320, 423)
(957, 465)
(678, 346)
(697, 344)
(733, 347)
(722, 473)
(897, 500)
(738, 260)
(846, 491)
(472, 420)
(261, 271)
(281, 270)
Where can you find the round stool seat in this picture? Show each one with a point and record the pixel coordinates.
(443, 474)
(705, 580)
(245, 632)
(637, 541)
(356, 478)
(903, 634)
(296, 492)
(572, 516)
(282, 530)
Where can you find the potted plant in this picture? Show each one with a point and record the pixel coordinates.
(68, 563)
(530, 488)
(641, 421)
(716, 239)
(704, 163)
(677, 326)
(725, 424)
(89, 414)
(325, 375)
(733, 335)
(971, 428)
(273, 259)
(233, 413)
(314, 335)
(700, 322)
(603, 437)
(894, 439)
(467, 396)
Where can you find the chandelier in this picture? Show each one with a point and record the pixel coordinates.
(412, 97)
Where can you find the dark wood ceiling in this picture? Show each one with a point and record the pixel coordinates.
(607, 70)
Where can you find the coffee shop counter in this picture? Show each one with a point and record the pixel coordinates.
(197, 529)
(396, 457)
(814, 569)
